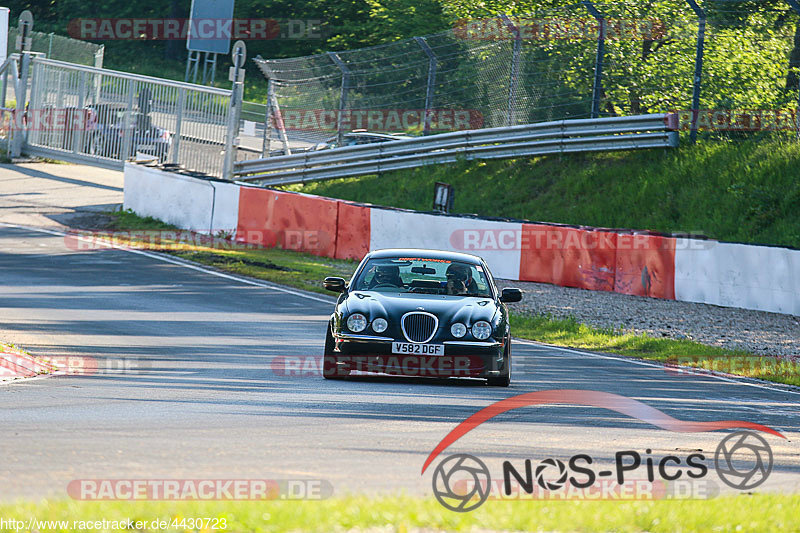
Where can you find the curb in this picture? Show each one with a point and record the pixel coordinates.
(16, 364)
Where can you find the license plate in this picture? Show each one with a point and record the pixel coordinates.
(420, 349)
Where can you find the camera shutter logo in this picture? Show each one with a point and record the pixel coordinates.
(454, 469)
(551, 484)
(743, 460)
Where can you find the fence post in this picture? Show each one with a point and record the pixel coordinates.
(796, 6)
(266, 146)
(598, 62)
(176, 145)
(698, 67)
(430, 84)
(238, 54)
(512, 82)
(127, 124)
(78, 136)
(21, 90)
(4, 90)
(98, 56)
(343, 98)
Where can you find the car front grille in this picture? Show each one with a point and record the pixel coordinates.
(419, 327)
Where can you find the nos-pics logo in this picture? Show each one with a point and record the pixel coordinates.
(461, 482)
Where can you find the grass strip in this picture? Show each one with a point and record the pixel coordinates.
(741, 513)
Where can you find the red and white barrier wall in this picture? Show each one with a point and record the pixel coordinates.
(628, 262)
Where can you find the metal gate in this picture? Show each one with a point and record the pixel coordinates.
(104, 117)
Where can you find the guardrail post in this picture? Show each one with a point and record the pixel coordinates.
(176, 145)
(431, 82)
(512, 82)
(343, 98)
(698, 67)
(238, 54)
(597, 87)
(796, 6)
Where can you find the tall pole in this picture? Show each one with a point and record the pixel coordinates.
(597, 87)
(511, 119)
(238, 54)
(266, 145)
(342, 97)
(796, 6)
(431, 84)
(21, 90)
(698, 67)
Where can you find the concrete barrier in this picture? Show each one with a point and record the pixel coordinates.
(738, 275)
(638, 263)
(205, 206)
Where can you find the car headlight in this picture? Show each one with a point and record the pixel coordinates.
(357, 323)
(379, 325)
(481, 330)
(458, 330)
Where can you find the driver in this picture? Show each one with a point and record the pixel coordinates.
(459, 280)
(386, 275)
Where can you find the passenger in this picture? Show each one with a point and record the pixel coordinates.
(459, 280)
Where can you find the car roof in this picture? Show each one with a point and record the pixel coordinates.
(421, 252)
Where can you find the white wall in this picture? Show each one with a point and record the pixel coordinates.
(498, 242)
(738, 275)
(183, 201)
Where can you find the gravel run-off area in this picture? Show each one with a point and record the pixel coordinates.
(757, 332)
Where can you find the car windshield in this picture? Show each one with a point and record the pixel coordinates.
(423, 275)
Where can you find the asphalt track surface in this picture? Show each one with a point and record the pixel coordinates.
(186, 387)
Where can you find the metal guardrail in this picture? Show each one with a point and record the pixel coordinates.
(563, 136)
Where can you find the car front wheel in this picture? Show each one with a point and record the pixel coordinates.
(504, 380)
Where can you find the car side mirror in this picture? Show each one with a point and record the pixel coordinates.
(510, 295)
(334, 284)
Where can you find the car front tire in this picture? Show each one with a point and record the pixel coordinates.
(504, 380)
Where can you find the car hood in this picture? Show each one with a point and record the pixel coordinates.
(449, 309)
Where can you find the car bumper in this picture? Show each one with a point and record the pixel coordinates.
(372, 353)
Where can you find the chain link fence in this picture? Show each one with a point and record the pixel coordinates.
(61, 48)
(587, 60)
